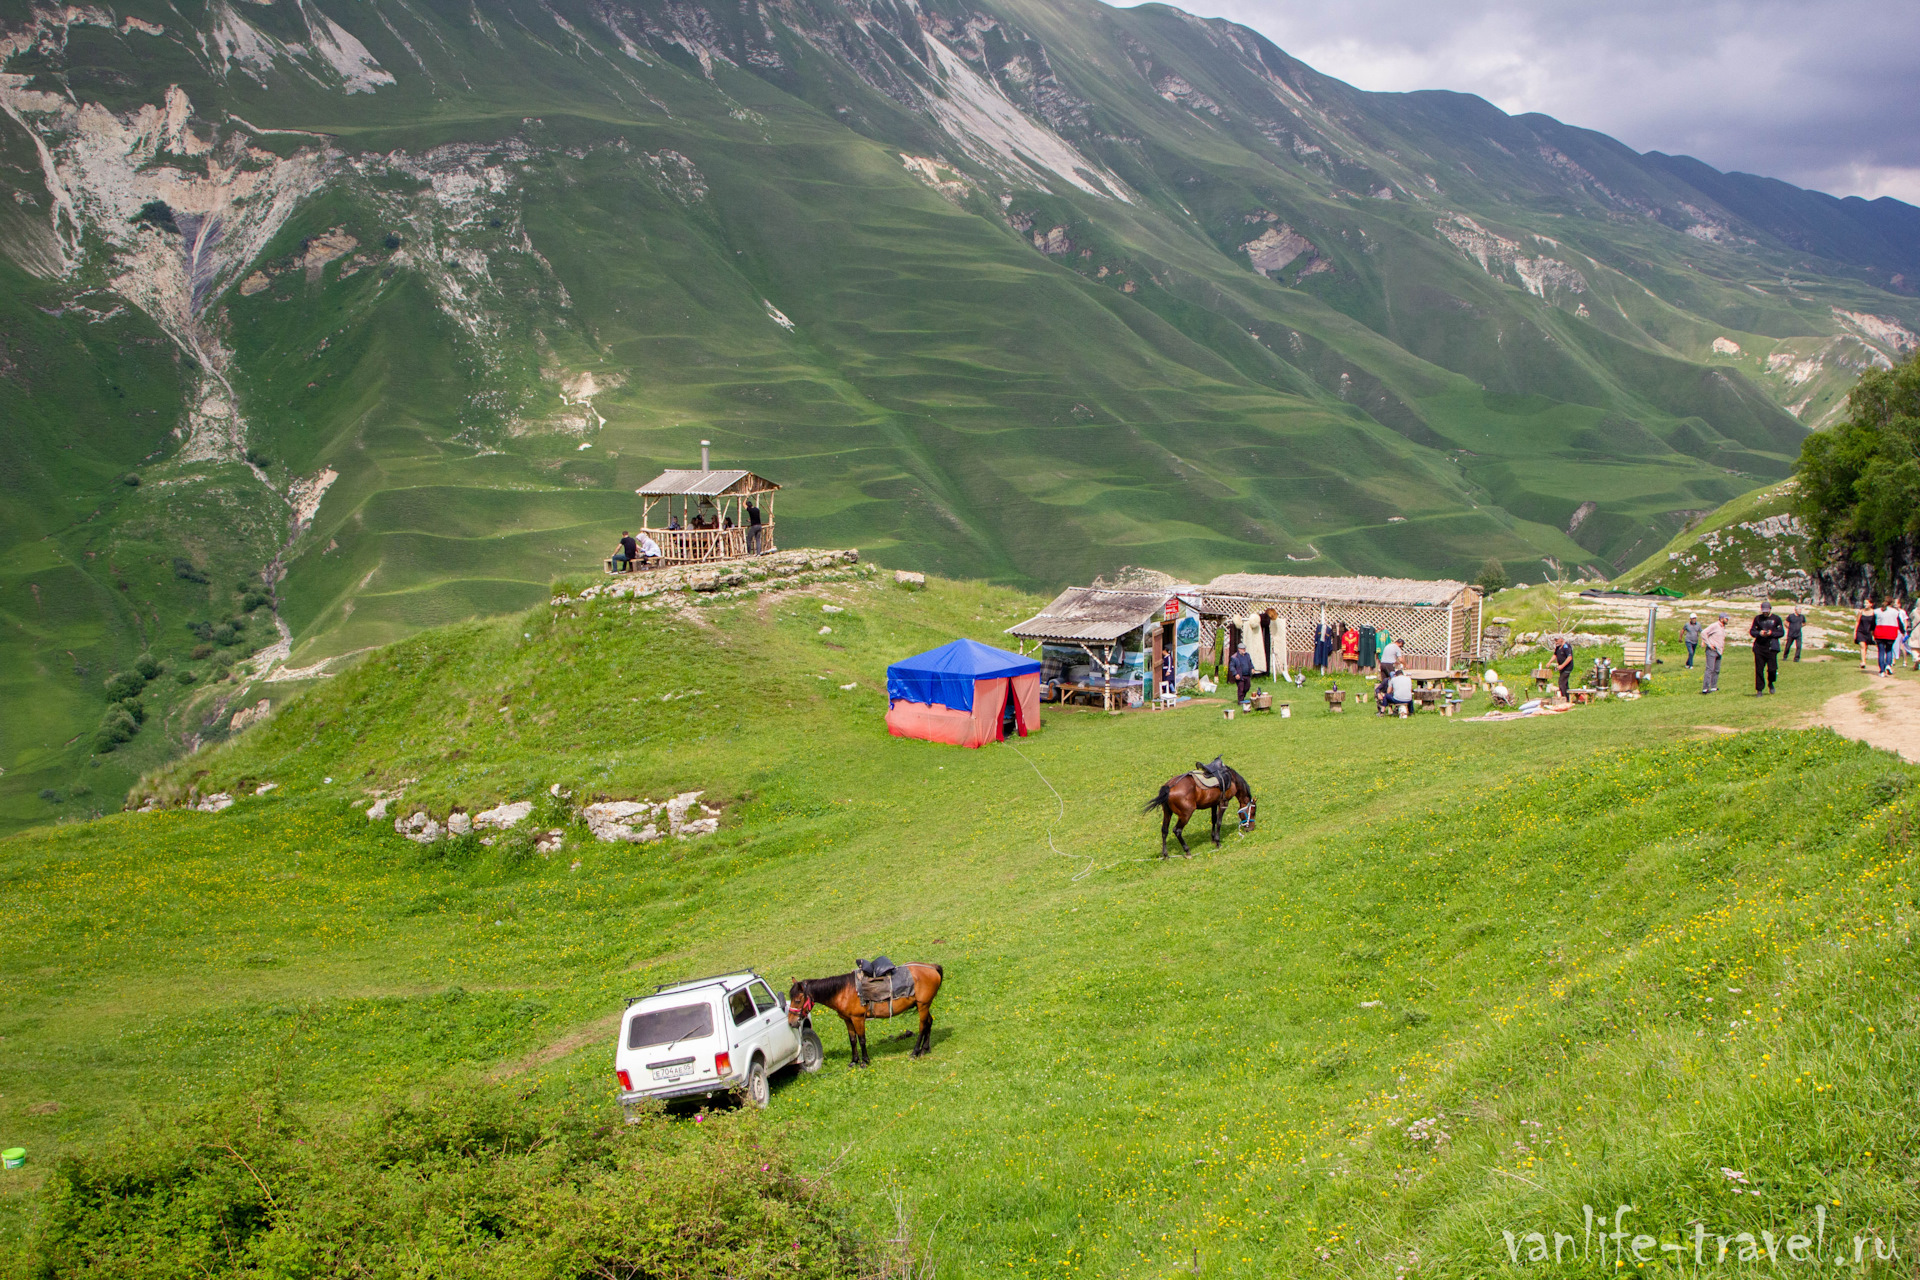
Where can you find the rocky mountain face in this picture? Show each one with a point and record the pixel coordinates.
(324, 320)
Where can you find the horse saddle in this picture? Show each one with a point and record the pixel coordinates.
(878, 982)
(1212, 776)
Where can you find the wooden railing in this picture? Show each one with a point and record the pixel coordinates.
(698, 546)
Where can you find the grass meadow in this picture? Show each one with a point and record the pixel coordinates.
(1464, 979)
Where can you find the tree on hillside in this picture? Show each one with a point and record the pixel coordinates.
(1493, 576)
(1859, 486)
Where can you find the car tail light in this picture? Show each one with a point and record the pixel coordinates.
(722, 1064)
(626, 1080)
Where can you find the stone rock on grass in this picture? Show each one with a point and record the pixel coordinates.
(250, 715)
(551, 842)
(910, 580)
(378, 811)
(419, 828)
(616, 821)
(458, 824)
(214, 803)
(504, 817)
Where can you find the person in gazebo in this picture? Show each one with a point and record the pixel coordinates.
(754, 521)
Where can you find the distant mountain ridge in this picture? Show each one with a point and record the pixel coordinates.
(379, 309)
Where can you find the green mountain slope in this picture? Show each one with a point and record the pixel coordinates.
(390, 305)
(1754, 542)
(1500, 972)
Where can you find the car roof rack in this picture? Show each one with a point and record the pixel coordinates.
(694, 982)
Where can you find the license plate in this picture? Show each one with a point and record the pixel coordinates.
(671, 1073)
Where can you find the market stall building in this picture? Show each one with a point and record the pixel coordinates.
(1277, 618)
(1114, 644)
(964, 693)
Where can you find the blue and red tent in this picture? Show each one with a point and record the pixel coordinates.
(959, 692)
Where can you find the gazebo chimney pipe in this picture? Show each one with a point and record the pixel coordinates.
(704, 465)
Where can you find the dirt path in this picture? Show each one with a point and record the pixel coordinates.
(1886, 713)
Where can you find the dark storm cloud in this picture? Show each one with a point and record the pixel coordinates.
(1822, 93)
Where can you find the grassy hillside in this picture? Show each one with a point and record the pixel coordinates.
(1022, 291)
(1754, 541)
(1462, 979)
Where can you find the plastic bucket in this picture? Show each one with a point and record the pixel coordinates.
(13, 1157)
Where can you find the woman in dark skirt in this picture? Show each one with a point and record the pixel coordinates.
(1863, 631)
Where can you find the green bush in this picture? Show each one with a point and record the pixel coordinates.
(252, 600)
(147, 665)
(133, 707)
(185, 676)
(471, 1183)
(225, 634)
(124, 684)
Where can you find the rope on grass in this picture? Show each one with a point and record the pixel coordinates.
(1092, 862)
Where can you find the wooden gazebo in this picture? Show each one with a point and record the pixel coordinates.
(706, 514)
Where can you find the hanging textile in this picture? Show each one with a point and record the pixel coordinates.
(1350, 645)
(1256, 642)
(1323, 641)
(1369, 648)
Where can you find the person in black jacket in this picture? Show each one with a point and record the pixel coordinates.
(1563, 665)
(1240, 668)
(1767, 631)
(1796, 623)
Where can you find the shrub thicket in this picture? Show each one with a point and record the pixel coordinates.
(474, 1183)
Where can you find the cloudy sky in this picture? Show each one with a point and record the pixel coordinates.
(1822, 93)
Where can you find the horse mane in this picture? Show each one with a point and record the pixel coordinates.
(1236, 782)
(822, 989)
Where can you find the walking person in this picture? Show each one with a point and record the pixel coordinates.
(1240, 670)
(1889, 620)
(1713, 643)
(1863, 630)
(1767, 631)
(1796, 623)
(1691, 634)
(1563, 665)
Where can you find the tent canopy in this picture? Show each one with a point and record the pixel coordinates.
(944, 676)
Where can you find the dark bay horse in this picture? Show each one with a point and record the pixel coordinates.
(840, 995)
(1181, 796)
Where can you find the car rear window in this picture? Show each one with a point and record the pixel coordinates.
(663, 1026)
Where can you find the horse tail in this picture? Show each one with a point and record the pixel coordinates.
(1158, 802)
(942, 972)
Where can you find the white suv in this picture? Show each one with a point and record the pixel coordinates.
(724, 1034)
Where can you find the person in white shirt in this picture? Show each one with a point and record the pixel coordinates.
(1889, 620)
(1393, 692)
(1713, 644)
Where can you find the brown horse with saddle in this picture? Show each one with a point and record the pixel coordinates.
(1208, 786)
(877, 988)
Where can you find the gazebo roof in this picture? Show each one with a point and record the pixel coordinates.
(706, 484)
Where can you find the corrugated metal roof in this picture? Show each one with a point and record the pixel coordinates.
(1091, 614)
(709, 484)
(1274, 586)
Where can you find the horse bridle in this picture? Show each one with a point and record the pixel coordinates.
(802, 1009)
